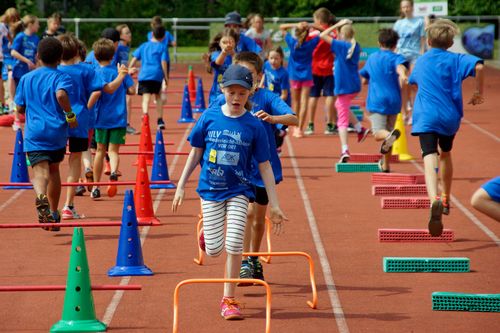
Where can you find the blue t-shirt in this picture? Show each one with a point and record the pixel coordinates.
(26, 46)
(300, 61)
(218, 72)
(85, 81)
(168, 40)
(492, 187)
(151, 55)
(276, 80)
(111, 109)
(229, 145)
(345, 71)
(247, 44)
(438, 104)
(46, 127)
(410, 32)
(121, 54)
(384, 93)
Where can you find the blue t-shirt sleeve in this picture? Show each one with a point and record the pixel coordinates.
(137, 53)
(364, 71)
(197, 136)
(467, 65)
(400, 60)
(278, 106)
(285, 84)
(290, 41)
(20, 98)
(65, 83)
(17, 43)
(169, 38)
(95, 81)
(260, 146)
(213, 57)
(164, 55)
(128, 81)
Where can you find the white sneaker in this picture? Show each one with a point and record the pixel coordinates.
(69, 213)
(16, 126)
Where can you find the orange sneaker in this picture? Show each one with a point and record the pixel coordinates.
(112, 189)
(446, 206)
(230, 309)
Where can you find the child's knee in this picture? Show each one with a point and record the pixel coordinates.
(213, 252)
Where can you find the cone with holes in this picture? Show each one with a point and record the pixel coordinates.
(129, 260)
(19, 171)
(145, 143)
(160, 168)
(400, 147)
(199, 103)
(142, 197)
(186, 111)
(79, 311)
(191, 84)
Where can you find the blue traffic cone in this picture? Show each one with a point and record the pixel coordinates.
(186, 112)
(160, 168)
(19, 172)
(199, 104)
(129, 259)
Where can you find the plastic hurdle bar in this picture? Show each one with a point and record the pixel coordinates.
(397, 178)
(426, 265)
(370, 158)
(405, 202)
(447, 301)
(414, 236)
(411, 189)
(193, 281)
(357, 167)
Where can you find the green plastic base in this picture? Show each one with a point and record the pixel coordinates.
(78, 326)
(426, 265)
(446, 301)
(357, 167)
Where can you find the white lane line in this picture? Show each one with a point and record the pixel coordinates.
(482, 130)
(117, 297)
(11, 199)
(325, 264)
(467, 212)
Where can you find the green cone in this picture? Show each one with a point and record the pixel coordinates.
(79, 311)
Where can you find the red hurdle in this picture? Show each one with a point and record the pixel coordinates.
(405, 202)
(418, 189)
(414, 236)
(397, 178)
(370, 158)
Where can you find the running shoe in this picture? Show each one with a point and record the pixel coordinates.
(161, 124)
(389, 141)
(132, 131)
(344, 158)
(331, 129)
(89, 176)
(446, 206)
(245, 273)
(363, 134)
(112, 189)
(80, 190)
(230, 309)
(435, 222)
(95, 194)
(257, 269)
(310, 129)
(201, 241)
(69, 213)
(43, 210)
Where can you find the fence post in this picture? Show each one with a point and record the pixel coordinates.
(174, 28)
(77, 27)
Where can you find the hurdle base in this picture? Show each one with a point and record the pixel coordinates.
(160, 186)
(17, 187)
(186, 120)
(151, 220)
(92, 325)
(130, 271)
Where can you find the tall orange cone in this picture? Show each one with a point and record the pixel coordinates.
(142, 195)
(191, 85)
(400, 147)
(145, 143)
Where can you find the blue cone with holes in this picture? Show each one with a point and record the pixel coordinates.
(129, 259)
(19, 171)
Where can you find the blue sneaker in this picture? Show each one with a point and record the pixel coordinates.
(245, 273)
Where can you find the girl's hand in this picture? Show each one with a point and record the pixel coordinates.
(477, 98)
(345, 21)
(178, 198)
(122, 69)
(31, 65)
(277, 218)
(264, 116)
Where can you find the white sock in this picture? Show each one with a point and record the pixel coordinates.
(345, 148)
(358, 127)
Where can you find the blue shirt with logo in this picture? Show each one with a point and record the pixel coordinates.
(26, 46)
(229, 145)
(345, 71)
(151, 55)
(300, 61)
(46, 127)
(410, 32)
(218, 72)
(277, 80)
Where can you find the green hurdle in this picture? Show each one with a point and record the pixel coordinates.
(426, 265)
(446, 301)
(357, 167)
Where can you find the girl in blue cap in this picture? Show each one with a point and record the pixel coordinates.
(224, 141)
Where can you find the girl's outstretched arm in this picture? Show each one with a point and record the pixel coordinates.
(325, 34)
(275, 214)
(192, 161)
(477, 97)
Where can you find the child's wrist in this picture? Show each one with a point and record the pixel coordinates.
(70, 117)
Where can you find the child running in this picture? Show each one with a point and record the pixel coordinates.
(347, 82)
(43, 95)
(438, 110)
(384, 70)
(224, 142)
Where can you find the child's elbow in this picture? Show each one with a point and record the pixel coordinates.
(61, 95)
(479, 67)
(131, 91)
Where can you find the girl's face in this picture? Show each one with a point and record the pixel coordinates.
(275, 59)
(227, 42)
(255, 76)
(406, 8)
(257, 23)
(33, 28)
(53, 25)
(236, 98)
(126, 35)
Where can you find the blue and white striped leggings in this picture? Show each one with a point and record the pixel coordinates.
(214, 215)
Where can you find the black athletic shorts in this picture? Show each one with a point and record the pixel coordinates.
(149, 87)
(261, 196)
(52, 156)
(429, 143)
(77, 145)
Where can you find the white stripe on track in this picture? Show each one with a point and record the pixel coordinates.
(467, 212)
(11, 199)
(115, 301)
(325, 264)
(482, 130)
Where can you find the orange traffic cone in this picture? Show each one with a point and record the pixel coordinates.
(400, 147)
(142, 195)
(191, 85)
(145, 143)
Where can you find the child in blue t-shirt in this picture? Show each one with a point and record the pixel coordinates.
(276, 76)
(300, 69)
(486, 199)
(111, 115)
(438, 110)
(384, 70)
(44, 95)
(224, 141)
(168, 41)
(153, 58)
(347, 82)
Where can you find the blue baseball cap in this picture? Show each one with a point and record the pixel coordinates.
(232, 18)
(237, 74)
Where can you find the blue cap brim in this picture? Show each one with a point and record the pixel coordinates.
(242, 83)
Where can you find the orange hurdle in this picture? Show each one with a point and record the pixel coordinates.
(192, 281)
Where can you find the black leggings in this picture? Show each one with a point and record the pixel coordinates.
(429, 143)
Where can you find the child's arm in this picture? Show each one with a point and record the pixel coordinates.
(22, 58)
(132, 62)
(93, 99)
(192, 161)
(286, 119)
(262, 81)
(165, 72)
(285, 26)
(284, 94)
(403, 73)
(325, 34)
(275, 214)
(477, 97)
(115, 84)
(63, 100)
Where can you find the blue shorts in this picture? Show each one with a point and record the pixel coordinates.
(322, 83)
(492, 187)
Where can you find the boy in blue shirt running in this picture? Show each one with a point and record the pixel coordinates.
(43, 95)
(438, 110)
(153, 57)
(384, 70)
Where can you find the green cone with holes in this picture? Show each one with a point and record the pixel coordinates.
(79, 311)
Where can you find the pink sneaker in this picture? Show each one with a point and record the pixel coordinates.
(230, 309)
(363, 134)
(201, 241)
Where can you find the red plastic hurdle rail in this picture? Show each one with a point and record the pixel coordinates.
(397, 178)
(370, 158)
(405, 202)
(399, 189)
(414, 236)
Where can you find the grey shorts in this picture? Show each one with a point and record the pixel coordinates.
(382, 121)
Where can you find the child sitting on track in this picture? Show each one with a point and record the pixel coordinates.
(438, 110)
(44, 94)
(225, 140)
(383, 71)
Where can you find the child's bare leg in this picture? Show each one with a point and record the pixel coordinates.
(159, 106)
(331, 112)
(482, 201)
(381, 135)
(247, 240)
(258, 227)
(145, 103)
(99, 161)
(87, 159)
(304, 98)
(446, 166)
(54, 186)
(233, 262)
(431, 175)
(75, 166)
(311, 109)
(114, 157)
(129, 109)
(40, 178)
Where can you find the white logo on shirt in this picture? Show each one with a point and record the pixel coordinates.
(228, 158)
